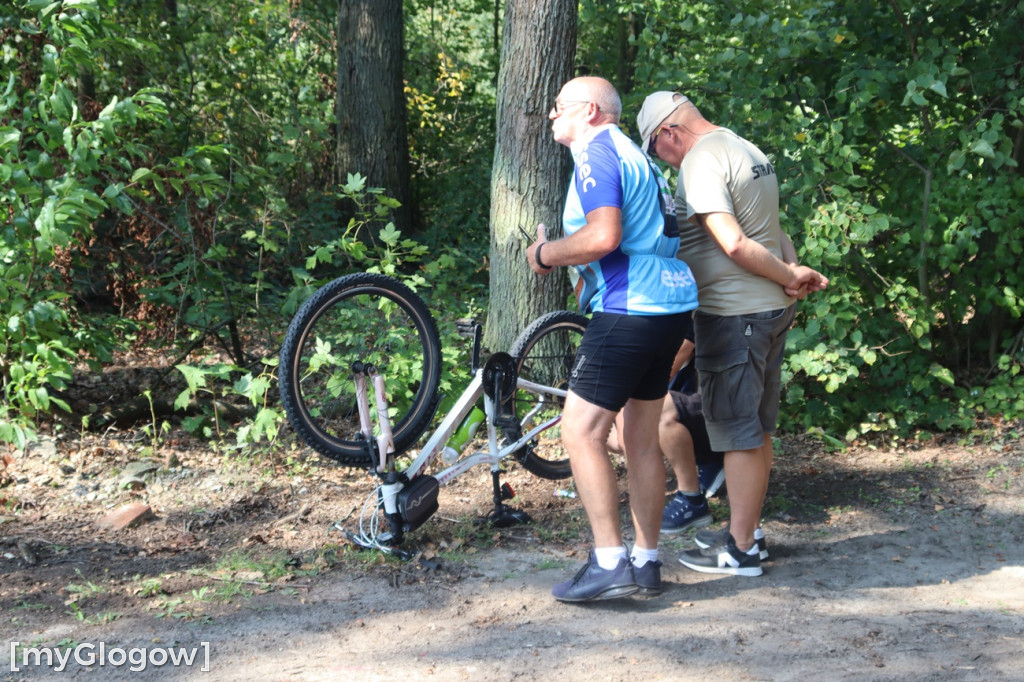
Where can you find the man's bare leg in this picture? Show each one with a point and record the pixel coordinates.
(677, 446)
(746, 474)
(646, 468)
(585, 429)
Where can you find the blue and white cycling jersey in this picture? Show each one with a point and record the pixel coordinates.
(642, 276)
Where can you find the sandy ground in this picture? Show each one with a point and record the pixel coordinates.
(891, 564)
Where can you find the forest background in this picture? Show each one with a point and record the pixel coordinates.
(174, 178)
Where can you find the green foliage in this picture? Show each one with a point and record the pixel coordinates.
(62, 168)
(177, 210)
(896, 135)
(370, 243)
(168, 179)
(451, 70)
(253, 389)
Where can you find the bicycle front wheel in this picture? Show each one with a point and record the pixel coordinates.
(544, 354)
(372, 319)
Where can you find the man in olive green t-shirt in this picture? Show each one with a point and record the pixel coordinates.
(748, 283)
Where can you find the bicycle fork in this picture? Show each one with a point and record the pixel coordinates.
(380, 457)
(406, 505)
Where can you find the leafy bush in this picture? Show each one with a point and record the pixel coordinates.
(896, 135)
(168, 179)
(63, 166)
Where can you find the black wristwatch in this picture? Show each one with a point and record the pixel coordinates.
(536, 256)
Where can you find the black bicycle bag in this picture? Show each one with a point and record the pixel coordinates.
(417, 502)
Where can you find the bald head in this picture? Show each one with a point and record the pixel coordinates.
(598, 91)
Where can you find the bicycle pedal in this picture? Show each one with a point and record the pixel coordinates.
(466, 327)
(505, 517)
(509, 423)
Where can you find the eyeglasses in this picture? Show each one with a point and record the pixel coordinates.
(561, 106)
(652, 149)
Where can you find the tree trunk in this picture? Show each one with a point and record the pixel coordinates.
(627, 31)
(370, 103)
(530, 174)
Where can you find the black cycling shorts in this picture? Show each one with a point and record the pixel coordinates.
(627, 356)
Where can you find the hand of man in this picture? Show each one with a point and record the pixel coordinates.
(805, 281)
(531, 251)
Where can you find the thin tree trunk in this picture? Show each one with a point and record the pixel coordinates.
(627, 29)
(370, 103)
(531, 171)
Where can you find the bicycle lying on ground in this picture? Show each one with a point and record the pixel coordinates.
(368, 334)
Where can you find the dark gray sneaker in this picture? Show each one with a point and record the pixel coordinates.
(593, 583)
(727, 559)
(680, 514)
(648, 578)
(712, 538)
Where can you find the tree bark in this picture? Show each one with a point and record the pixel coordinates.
(370, 102)
(627, 28)
(531, 171)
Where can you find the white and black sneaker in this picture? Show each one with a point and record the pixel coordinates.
(712, 538)
(726, 559)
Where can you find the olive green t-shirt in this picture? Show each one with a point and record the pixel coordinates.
(724, 173)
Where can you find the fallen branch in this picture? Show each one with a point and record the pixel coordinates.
(301, 512)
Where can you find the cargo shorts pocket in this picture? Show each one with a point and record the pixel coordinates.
(722, 377)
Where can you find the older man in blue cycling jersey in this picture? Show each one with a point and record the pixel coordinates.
(621, 239)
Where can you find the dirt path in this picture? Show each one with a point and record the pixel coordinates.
(886, 565)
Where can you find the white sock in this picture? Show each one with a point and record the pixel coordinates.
(609, 557)
(641, 555)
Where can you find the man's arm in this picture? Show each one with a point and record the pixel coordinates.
(788, 250)
(600, 236)
(789, 256)
(683, 356)
(755, 258)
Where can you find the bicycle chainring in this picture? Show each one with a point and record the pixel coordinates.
(499, 376)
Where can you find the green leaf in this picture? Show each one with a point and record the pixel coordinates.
(390, 234)
(195, 377)
(181, 402)
(983, 148)
(942, 374)
(141, 174)
(356, 183)
(62, 103)
(9, 137)
(938, 87)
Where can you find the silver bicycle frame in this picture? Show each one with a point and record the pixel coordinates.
(436, 443)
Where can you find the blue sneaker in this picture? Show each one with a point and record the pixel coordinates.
(648, 578)
(680, 514)
(593, 583)
(711, 477)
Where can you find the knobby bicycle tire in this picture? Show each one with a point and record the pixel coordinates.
(545, 353)
(368, 318)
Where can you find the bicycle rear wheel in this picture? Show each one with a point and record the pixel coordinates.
(368, 318)
(544, 354)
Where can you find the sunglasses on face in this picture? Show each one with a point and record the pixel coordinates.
(652, 148)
